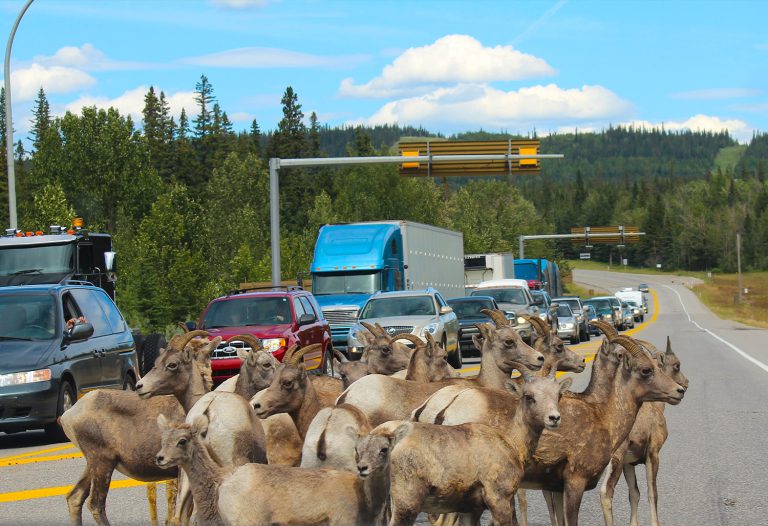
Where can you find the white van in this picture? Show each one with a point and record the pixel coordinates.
(633, 295)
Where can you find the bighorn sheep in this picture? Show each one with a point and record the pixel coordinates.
(642, 446)
(426, 474)
(245, 495)
(332, 436)
(115, 430)
(383, 398)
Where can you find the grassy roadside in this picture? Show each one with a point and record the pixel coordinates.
(717, 292)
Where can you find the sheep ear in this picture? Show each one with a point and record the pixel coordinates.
(351, 432)
(401, 432)
(661, 358)
(565, 384)
(243, 354)
(628, 361)
(162, 422)
(477, 341)
(212, 345)
(186, 355)
(485, 330)
(200, 426)
(514, 388)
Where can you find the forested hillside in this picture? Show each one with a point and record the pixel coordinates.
(187, 199)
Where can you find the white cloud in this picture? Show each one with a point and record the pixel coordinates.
(240, 4)
(451, 59)
(737, 128)
(26, 82)
(473, 106)
(87, 58)
(264, 57)
(242, 116)
(132, 103)
(716, 94)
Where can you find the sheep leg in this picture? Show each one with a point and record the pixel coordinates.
(554, 515)
(607, 489)
(574, 492)
(634, 492)
(152, 500)
(184, 505)
(522, 500)
(651, 472)
(76, 497)
(558, 502)
(101, 476)
(468, 519)
(501, 509)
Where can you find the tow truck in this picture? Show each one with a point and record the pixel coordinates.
(66, 254)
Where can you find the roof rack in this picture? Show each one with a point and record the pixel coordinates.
(288, 288)
(77, 282)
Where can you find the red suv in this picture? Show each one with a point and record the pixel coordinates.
(280, 317)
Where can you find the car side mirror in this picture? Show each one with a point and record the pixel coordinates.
(617, 309)
(445, 309)
(79, 332)
(111, 266)
(307, 318)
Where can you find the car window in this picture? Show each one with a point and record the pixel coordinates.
(399, 306)
(92, 311)
(505, 295)
(298, 308)
(248, 311)
(564, 311)
(470, 309)
(114, 317)
(27, 317)
(316, 308)
(307, 306)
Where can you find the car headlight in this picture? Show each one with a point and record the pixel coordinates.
(607, 317)
(520, 320)
(543, 315)
(273, 344)
(27, 377)
(431, 329)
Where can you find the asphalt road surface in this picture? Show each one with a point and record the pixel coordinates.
(713, 468)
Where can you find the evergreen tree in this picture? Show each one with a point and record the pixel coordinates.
(255, 136)
(205, 99)
(42, 121)
(289, 141)
(314, 136)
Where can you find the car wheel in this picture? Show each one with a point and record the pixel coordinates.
(129, 384)
(327, 357)
(150, 350)
(575, 340)
(587, 335)
(456, 358)
(67, 399)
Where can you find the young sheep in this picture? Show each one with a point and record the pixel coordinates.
(426, 474)
(246, 495)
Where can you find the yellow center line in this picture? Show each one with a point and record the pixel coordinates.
(34, 460)
(56, 491)
(39, 452)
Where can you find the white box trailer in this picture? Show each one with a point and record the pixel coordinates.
(486, 267)
(433, 257)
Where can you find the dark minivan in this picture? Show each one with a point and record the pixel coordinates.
(44, 366)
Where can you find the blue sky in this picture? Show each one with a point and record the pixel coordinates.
(448, 66)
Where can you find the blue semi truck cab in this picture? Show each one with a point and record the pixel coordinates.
(354, 261)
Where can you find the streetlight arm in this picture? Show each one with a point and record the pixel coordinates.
(9, 122)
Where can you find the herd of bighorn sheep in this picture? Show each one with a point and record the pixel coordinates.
(386, 438)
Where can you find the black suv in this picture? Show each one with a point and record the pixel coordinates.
(44, 365)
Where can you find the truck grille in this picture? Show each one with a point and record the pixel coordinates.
(345, 317)
(229, 349)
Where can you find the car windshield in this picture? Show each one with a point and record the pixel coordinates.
(46, 259)
(27, 317)
(564, 311)
(248, 311)
(398, 306)
(506, 295)
(600, 304)
(572, 302)
(353, 283)
(632, 303)
(470, 309)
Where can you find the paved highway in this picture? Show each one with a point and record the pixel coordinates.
(712, 468)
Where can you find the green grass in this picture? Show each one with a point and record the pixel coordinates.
(588, 264)
(728, 157)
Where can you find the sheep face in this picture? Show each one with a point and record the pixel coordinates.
(258, 368)
(540, 399)
(508, 348)
(176, 445)
(372, 454)
(285, 394)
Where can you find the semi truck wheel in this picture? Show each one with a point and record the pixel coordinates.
(150, 350)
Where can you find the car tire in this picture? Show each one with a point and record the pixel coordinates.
(575, 340)
(327, 357)
(150, 350)
(583, 335)
(67, 399)
(455, 359)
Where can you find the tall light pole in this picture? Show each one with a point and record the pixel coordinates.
(9, 122)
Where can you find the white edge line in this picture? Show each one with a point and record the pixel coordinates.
(755, 361)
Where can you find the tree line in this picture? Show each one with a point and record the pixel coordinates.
(187, 198)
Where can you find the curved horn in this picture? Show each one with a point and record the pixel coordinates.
(289, 353)
(382, 331)
(339, 355)
(411, 338)
(606, 328)
(183, 326)
(497, 316)
(254, 343)
(299, 354)
(537, 324)
(184, 339)
(630, 345)
(373, 330)
(648, 345)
